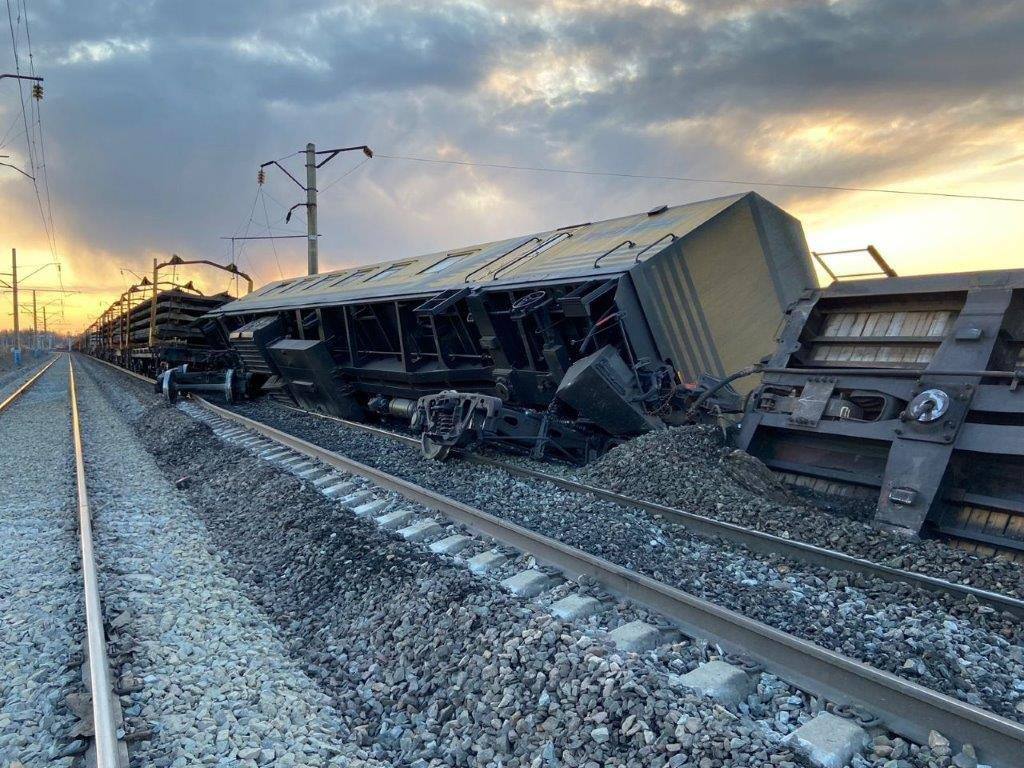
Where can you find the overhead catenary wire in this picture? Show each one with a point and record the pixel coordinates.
(51, 241)
(37, 107)
(693, 179)
(244, 229)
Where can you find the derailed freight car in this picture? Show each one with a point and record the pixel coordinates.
(134, 336)
(906, 393)
(559, 342)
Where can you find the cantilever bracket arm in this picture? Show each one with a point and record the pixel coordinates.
(333, 153)
(231, 268)
(286, 173)
(9, 165)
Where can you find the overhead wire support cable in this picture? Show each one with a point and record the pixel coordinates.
(696, 180)
(51, 240)
(349, 172)
(273, 242)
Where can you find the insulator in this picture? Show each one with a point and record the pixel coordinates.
(261, 176)
(37, 91)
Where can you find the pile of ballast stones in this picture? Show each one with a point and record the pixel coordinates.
(691, 468)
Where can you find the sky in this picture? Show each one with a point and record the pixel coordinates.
(157, 114)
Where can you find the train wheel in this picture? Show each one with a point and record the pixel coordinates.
(432, 449)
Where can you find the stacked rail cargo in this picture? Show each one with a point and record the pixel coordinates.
(133, 336)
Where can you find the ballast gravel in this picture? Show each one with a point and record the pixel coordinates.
(429, 665)
(211, 681)
(40, 587)
(690, 468)
(12, 377)
(957, 647)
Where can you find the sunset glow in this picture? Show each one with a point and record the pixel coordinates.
(156, 117)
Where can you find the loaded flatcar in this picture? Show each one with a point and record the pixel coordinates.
(134, 336)
(560, 342)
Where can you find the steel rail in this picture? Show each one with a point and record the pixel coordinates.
(757, 541)
(754, 540)
(904, 707)
(109, 751)
(26, 385)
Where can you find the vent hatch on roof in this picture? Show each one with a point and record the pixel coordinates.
(385, 273)
(349, 276)
(445, 263)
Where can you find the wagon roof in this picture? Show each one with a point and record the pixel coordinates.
(567, 252)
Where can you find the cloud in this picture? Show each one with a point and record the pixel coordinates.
(95, 51)
(158, 113)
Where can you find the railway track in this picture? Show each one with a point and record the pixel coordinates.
(902, 706)
(25, 386)
(754, 540)
(105, 749)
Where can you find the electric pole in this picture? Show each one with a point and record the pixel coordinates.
(309, 188)
(311, 252)
(35, 323)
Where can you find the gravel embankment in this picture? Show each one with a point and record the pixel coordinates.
(13, 377)
(959, 648)
(428, 665)
(218, 686)
(40, 588)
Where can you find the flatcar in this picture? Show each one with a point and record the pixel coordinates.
(130, 334)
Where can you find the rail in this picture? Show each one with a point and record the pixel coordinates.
(904, 707)
(110, 752)
(754, 540)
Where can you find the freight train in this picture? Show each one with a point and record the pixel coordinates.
(160, 324)
(900, 392)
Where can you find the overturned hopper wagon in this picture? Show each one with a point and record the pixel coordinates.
(561, 342)
(906, 393)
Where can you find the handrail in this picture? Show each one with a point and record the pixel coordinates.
(883, 265)
(610, 251)
(496, 258)
(560, 237)
(648, 247)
